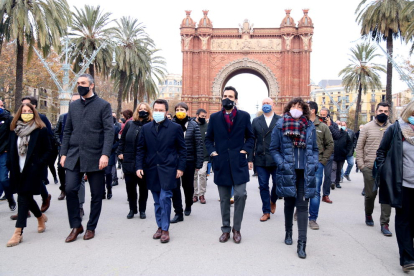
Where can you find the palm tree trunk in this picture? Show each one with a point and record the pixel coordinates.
(388, 89)
(19, 75)
(135, 99)
(92, 73)
(120, 93)
(358, 107)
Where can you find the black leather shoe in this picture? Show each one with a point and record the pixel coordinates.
(333, 186)
(369, 221)
(301, 249)
(142, 215)
(338, 186)
(187, 212)
(177, 218)
(288, 238)
(115, 183)
(12, 205)
(109, 196)
(130, 214)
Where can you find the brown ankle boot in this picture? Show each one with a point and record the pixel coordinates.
(16, 238)
(41, 223)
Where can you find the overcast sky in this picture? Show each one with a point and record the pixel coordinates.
(335, 32)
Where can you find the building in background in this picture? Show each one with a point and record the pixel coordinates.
(171, 87)
(369, 100)
(48, 102)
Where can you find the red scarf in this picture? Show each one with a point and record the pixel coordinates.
(296, 130)
(229, 118)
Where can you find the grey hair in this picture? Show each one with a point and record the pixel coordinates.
(325, 109)
(89, 77)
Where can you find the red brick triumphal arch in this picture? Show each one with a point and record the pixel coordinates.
(212, 56)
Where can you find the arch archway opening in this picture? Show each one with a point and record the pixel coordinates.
(252, 88)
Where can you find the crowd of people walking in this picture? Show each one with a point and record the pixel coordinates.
(299, 156)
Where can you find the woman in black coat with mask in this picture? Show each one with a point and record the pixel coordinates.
(127, 153)
(30, 149)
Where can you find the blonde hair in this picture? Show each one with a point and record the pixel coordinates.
(407, 111)
(136, 112)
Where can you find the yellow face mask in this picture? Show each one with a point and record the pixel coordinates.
(27, 117)
(180, 115)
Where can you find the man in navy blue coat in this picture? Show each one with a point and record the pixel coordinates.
(229, 139)
(161, 156)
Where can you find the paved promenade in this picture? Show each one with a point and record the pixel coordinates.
(344, 245)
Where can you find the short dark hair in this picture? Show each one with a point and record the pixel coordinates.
(383, 104)
(161, 101)
(182, 104)
(236, 94)
(127, 113)
(169, 114)
(294, 101)
(313, 105)
(33, 100)
(200, 110)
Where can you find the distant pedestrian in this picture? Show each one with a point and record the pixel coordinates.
(161, 157)
(343, 145)
(127, 152)
(229, 140)
(295, 151)
(350, 157)
(262, 159)
(111, 162)
(195, 157)
(395, 178)
(29, 154)
(366, 152)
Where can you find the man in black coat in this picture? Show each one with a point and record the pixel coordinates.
(229, 139)
(342, 146)
(161, 156)
(263, 160)
(350, 157)
(86, 147)
(200, 176)
(5, 120)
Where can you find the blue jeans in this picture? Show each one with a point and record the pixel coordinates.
(208, 167)
(4, 177)
(316, 200)
(162, 204)
(350, 160)
(263, 175)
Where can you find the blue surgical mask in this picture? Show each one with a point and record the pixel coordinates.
(158, 116)
(411, 120)
(266, 108)
(343, 127)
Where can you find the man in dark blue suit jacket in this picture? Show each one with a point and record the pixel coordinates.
(229, 139)
(161, 155)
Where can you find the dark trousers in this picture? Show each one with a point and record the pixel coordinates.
(73, 182)
(240, 196)
(108, 178)
(263, 175)
(404, 226)
(52, 160)
(26, 203)
(338, 170)
(187, 180)
(327, 180)
(43, 192)
(62, 176)
(131, 182)
(301, 205)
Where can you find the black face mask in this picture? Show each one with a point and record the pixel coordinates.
(143, 114)
(202, 121)
(227, 104)
(82, 90)
(382, 118)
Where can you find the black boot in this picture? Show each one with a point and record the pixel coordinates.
(288, 237)
(142, 215)
(109, 196)
(187, 211)
(177, 218)
(301, 249)
(130, 214)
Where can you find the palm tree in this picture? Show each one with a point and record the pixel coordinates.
(409, 31)
(384, 20)
(361, 74)
(39, 23)
(90, 30)
(131, 54)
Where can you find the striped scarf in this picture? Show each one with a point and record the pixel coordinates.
(229, 118)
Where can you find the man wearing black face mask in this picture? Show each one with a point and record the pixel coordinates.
(86, 146)
(229, 139)
(366, 152)
(200, 176)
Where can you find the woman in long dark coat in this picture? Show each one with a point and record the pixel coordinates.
(127, 153)
(29, 154)
(395, 178)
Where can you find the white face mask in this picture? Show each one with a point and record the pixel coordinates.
(296, 113)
